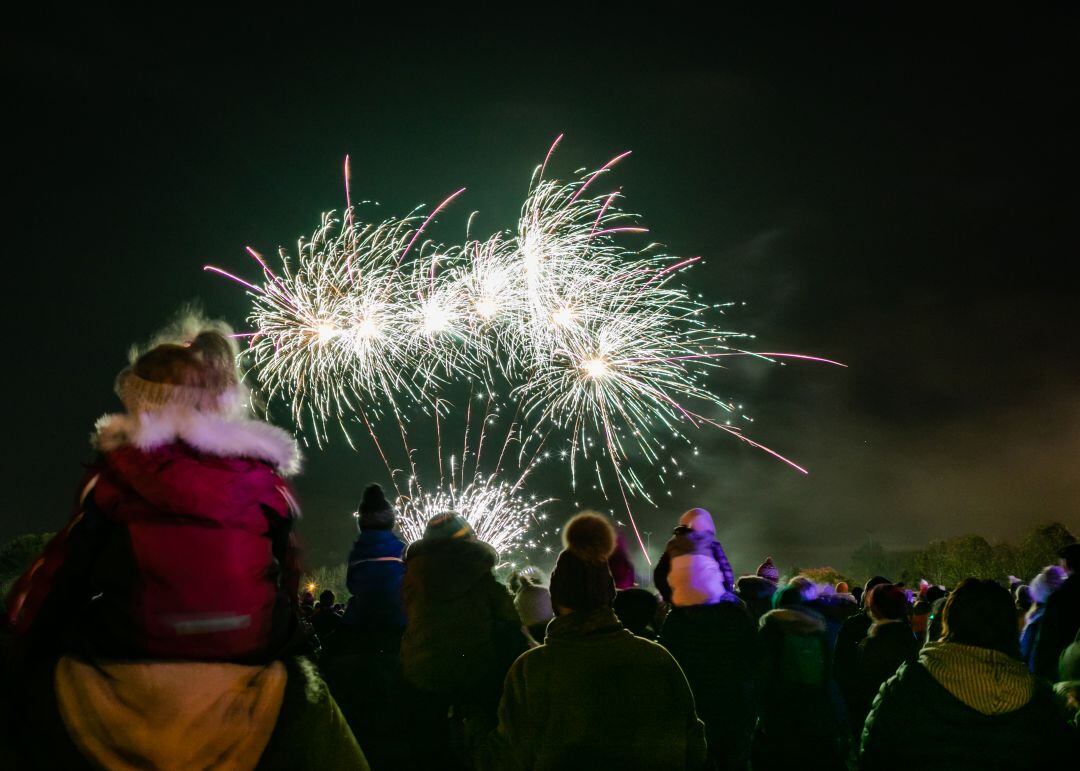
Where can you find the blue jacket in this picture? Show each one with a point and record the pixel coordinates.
(374, 580)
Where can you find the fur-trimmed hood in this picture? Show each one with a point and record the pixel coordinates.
(211, 433)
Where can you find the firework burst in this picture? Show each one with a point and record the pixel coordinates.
(594, 340)
(499, 513)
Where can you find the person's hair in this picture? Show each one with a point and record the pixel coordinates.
(636, 609)
(207, 362)
(886, 602)
(870, 584)
(934, 593)
(789, 596)
(326, 598)
(981, 613)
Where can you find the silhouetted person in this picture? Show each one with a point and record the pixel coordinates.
(968, 702)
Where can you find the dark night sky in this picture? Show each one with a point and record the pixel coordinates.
(900, 195)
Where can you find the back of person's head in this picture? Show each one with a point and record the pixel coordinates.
(934, 593)
(1070, 555)
(191, 365)
(886, 602)
(809, 590)
(581, 580)
(375, 512)
(981, 613)
(327, 598)
(791, 596)
(870, 584)
(636, 609)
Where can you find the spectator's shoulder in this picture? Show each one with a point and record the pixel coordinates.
(647, 649)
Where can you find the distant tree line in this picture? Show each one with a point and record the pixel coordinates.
(950, 561)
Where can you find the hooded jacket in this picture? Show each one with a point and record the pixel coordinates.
(796, 716)
(458, 615)
(180, 547)
(887, 645)
(972, 708)
(178, 715)
(1060, 624)
(564, 703)
(693, 569)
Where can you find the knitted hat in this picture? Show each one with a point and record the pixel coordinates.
(448, 525)
(769, 571)
(376, 513)
(194, 372)
(581, 580)
(698, 520)
(887, 602)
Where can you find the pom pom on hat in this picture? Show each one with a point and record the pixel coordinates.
(590, 537)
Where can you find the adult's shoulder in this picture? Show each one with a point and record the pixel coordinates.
(311, 731)
(457, 548)
(648, 650)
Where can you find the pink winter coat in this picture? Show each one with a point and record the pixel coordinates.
(180, 547)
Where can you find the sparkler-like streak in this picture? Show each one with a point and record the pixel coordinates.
(594, 340)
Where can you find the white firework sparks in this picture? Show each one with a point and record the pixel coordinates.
(498, 512)
(591, 337)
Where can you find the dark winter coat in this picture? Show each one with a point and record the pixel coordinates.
(845, 658)
(309, 731)
(698, 545)
(570, 704)
(374, 577)
(989, 713)
(363, 671)
(1060, 623)
(797, 724)
(716, 647)
(463, 632)
(885, 648)
(180, 547)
